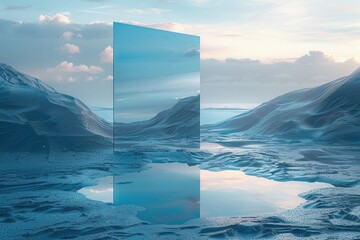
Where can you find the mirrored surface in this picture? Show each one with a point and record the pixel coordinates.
(156, 89)
(168, 192)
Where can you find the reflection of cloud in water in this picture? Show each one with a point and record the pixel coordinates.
(170, 193)
(101, 191)
(240, 194)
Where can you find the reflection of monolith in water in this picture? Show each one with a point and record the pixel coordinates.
(170, 192)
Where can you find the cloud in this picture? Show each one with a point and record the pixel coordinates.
(109, 78)
(315, 57)
(34, 31)
(71, 48)
(170, 26)
(68, 35)
(69, 67)
(69, 72)
(106, 55)
(100, 22)
(42, 41)
(251, 81)
(241, 60)
(58, 18)
(17, 7)
(192, 53)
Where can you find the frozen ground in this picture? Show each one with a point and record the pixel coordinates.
(39, 198)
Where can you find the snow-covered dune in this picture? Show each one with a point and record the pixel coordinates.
(179, 122)
(330, 112)
(34, 117)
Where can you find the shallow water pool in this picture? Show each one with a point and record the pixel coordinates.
(173, 193)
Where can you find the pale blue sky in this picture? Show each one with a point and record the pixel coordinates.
(231, 28)
(68, 43)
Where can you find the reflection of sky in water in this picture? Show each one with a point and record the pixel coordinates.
(152, 68)
(103, 191)
(170, 193)
(230, 193)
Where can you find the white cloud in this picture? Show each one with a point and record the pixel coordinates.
(69, 72)
(70, 35)
(314, 57)
(67, 35)
(236, 80)
(170, 26)
(106, 55)
(100, 22)
(109, 78)
(69, 67)
(57, 18)
(71, 48)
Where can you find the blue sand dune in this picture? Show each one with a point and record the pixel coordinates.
(330, 112)
(34, 117)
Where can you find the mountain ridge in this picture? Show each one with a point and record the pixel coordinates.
(330, 112)
(11, 77)
(34, 117)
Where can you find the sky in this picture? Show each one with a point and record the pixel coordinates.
(251, 50)
(153, 70)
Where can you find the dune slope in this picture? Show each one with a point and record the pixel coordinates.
(34, 117)
(330, 112)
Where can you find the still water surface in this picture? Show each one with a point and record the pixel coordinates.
(173, 193)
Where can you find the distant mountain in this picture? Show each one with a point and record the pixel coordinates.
(330, 112)
(182, 121)
(9, 77)
(34, 117)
